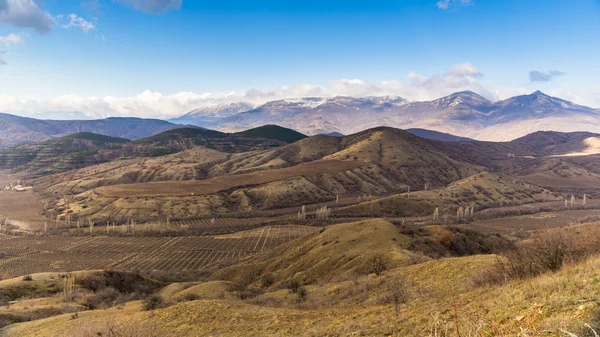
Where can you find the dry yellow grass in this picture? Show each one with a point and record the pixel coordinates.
(439, 295)
(180, 166)
(340, 302)
(336, 251)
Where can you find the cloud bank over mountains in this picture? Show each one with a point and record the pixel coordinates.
(150, 104)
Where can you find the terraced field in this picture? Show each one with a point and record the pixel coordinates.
(31, 254)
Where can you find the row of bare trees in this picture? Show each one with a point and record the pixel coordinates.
(321, 213)
(572, 202)
(461, 213)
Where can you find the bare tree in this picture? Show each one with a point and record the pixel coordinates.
(323, 212)
(302, 213)
(460, 213)
(584, 199)
(378, 263)
(396, 293)
(572, 200)
(68, 287)
(436, 214)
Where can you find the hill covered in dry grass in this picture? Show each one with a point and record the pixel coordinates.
(480, 191)
(325, 284)
(204, 179)
(312, 170)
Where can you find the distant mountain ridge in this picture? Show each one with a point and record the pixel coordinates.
(17, 130)
(84, 149)
(466, 114)
(463, 113)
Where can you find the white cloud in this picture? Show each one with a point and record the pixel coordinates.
(25, 14)
(76, 21)
(538, 76)
(9, 41)
(445, 4)
(152, 6)
(12, 40)
(150, 104)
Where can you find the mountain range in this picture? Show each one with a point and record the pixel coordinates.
(17, 130)
(464, 113)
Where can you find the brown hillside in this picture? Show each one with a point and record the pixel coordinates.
(376, 162)
(481, 191)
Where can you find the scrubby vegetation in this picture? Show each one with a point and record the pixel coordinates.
(548, 251)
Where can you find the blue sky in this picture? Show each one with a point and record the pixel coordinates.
(160, 58)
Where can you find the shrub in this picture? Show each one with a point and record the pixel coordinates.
(267, 280)
(27, 278)
(302, 293)
(121, 281)
(377, 264)
(104, 298)
(153, 302)
(548, 251)
(395, 293)
(293, 286)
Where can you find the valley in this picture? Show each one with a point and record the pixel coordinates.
(382, 224)
(179, 168)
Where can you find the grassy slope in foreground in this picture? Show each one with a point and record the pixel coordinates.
(439, 295)
(536, 307)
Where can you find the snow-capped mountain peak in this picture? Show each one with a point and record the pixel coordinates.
(464, 113)
(221, 110)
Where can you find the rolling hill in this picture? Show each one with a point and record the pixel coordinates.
(201, 179)
(60, 154)
(313, 285)
(550, 143)
(180, 139)
(480, 191)
(85, 149)
(316, 169)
